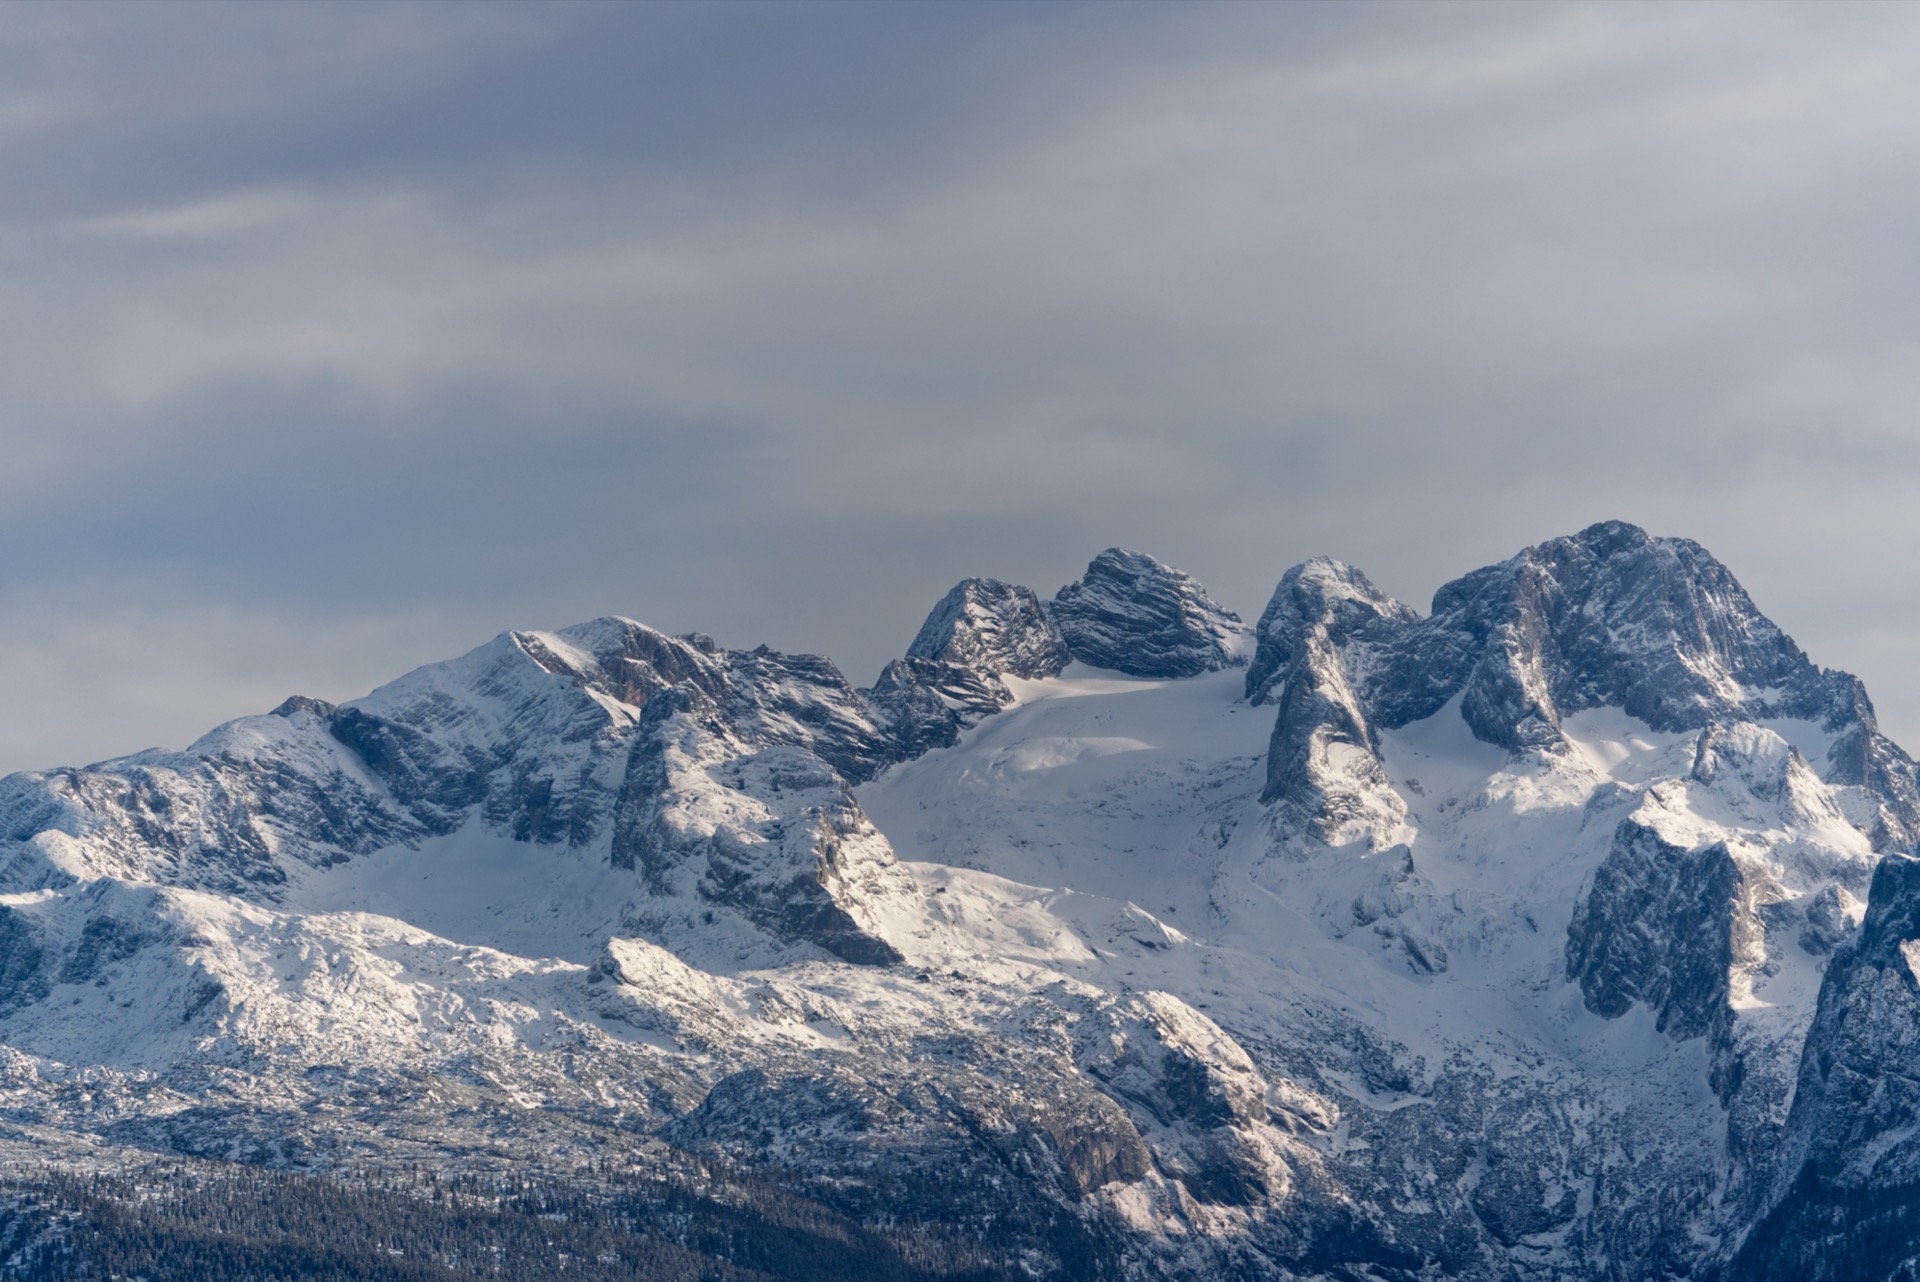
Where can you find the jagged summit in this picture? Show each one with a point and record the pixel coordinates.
(980, 633)
(1318, 602)
(1133, 614)
(1129, 613)
(721, 778)
(1615, 617)
(302, 703)
(1611, 617)
(989, 626)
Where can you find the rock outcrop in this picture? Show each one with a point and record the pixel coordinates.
(1131, 614)
(1608, 618)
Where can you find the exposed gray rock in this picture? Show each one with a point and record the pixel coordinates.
(1609, 617)
(537, 736)
(925, 703)
(303, 703)
(989, 626)
(789, 850)
(23, 971)
(980, 632)
(1128, 613)
(1828, 925)
(1324, 601)
(1613, 617)
(1659, 925)
(1134, 615)
(1846, 1197)
(1324, 623)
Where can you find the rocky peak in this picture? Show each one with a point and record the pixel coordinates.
(1612, 616)
(1132, 614)
(1608, 617)
(722, 778)
(1318, 638)
(626, 661)
(1325, 601)
(294, 704)
(990, 626)
(981, 631)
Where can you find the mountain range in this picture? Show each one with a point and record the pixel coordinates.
(1568, 930)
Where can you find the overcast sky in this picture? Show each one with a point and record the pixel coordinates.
(335, 339)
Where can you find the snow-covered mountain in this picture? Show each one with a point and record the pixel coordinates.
(1520, 939)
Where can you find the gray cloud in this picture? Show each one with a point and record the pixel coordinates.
(337, 338)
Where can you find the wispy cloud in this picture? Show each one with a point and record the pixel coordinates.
(220, 218)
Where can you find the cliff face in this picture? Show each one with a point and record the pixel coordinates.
(1129, 613)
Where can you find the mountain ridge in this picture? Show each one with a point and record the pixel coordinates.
(1570, 867)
